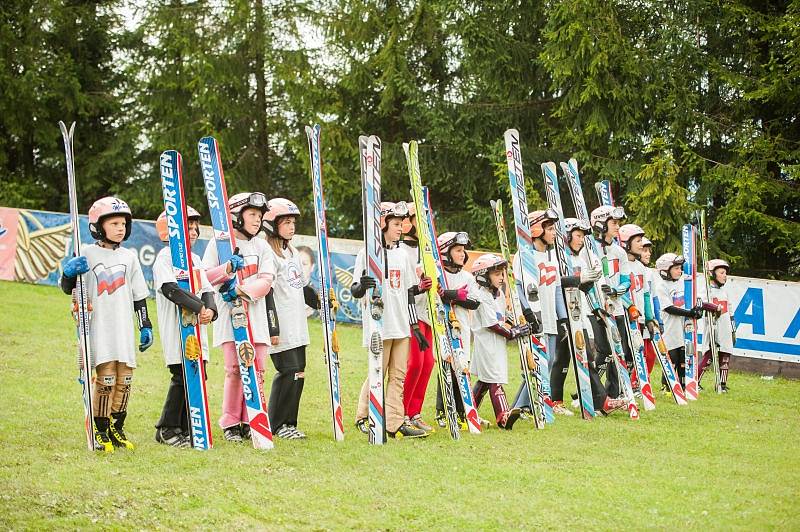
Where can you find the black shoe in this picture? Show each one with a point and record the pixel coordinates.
(724, 387)
(115, 432)
(233, 434)
(245, 431)
(407, 430)
(363, 425)
(509, 418)
(173, 437)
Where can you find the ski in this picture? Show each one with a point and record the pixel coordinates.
(453, 328)
(531, 351)
(375, 259)
(327, 310)
(80, 298)
(667, 369)
(689, 298)
(711, 319)
(597, 299)
(442, 346)
(194, 374)
(572, 296)
(528, 272)
(217, 196)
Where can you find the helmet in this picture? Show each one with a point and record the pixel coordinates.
(409, 227)
(239, 202)
(602, 214)
(646, 242)
(667, 261)
(713, 264)
(161, 222)
(627, 232)
(276, 208)
(446, 241)
(485, 264)
(393, 210)
(571, 224)
(102, 209)
(536, 219)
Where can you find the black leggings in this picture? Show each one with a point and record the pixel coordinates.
(174, 414)
(603, 355)
(287, 386)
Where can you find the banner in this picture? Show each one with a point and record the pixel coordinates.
(33, 245)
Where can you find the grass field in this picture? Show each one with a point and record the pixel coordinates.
(723, 462)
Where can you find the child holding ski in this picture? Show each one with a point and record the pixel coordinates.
(399, 289)
(175, 304)
(115, 286)
(651, 280)
(258, 272)
(725, 328)
(489, 361)
(291, 295)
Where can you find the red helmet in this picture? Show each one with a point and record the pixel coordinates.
(161, 222)
(276, 208)
(627, 232)
(102, 209)
(393, 210)
(537, 219)
(484, 264)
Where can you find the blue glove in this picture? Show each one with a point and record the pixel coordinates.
(145, 338)
(228, 290)
(237, 261)
(75, 267)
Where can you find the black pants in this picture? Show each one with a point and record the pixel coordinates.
(456, 394)
(559, 370)
(287, 386)
(603, 355)
(678, 358)
(174, 414)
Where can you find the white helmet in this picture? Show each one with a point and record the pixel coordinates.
(485, 264)
(602, 214)
(446, 241)
(243, 200)
(627, 232)
(667, 261)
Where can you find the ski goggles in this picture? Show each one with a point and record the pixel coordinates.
(255, 199)
(400, 210)
(547, 214)
(617, 213)
(577, 224)
(460, 239)
(678, 260)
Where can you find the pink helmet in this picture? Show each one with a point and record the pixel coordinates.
(713, 264)
(161, 222)
(646, 242)
(102, 209)
(447, 240)
(485, 264)
(627, 232)
(239, 202)
(393, 210)
(667, 261)
(537, 219)
(276, 208)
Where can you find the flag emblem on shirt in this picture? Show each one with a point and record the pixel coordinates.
(250, 267)
(547, 274)
(394, 279)
(109, 279)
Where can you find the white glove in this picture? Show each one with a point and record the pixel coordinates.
(590, 275)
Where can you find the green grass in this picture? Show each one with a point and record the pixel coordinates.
(722, 462)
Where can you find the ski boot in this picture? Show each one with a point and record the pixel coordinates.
(724, 387)
(116, 433)
(419, 423)
(172, 437)
(508, 418)
(102, 443)
(407, 430)
(440, 419)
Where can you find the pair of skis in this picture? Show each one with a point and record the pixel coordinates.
(711, 319)
(689, 242)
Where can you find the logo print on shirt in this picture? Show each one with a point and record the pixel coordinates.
(109, 279)
(613, 267)
(723, 303)
(547, 274)
(250, 266)
(394, 279)
(637, 282)
(678, 300)
(293, 276)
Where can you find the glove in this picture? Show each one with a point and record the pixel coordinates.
(420, 338)
(425, 284)
(651, 327)
(533, 292)
(607, 290)
(145, 338)
(520, 330)
(228, 290)
(75, 267)
(563, 330)
(367, 282)
(236, 261)
(533, 321)
(589, 275)
(697, 311)
(633, 313)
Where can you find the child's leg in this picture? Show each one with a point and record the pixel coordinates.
(395, 362)
(724, 364)
(559, 368)
(418, 372)
(106, 378)
(232, 398)
(122, 388)
(499, 401)
(678, 358)
(173, 414)
(478, 391)
(298, 383)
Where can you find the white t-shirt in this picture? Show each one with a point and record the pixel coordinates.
(489, 361)
(400, 276)
(578, 265)
(719, 295)
(639, 285)
(169, 313)
(464, 316)
(114, 281)
(420, 300)
(670, 293)
(548, 284)
(258, 260)
(289, 301)
(618, 269)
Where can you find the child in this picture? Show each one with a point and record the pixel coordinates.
(651, 279)
(489, 361)
(292, 293)
(172, 302)
(114, 286)
(453, 250)
(398, 291)
(673, 313)
(258, 272)
(726, 331)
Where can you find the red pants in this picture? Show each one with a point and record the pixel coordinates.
(418, 372)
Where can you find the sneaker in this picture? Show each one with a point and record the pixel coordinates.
(440, 419)
(363, 425)
(483, 423)
(245, 431)
(724, 387)
(172, 437)
(525, 413)
(420, 424)
(576, 404)
(407, 430)
(115, 432)
(300, 435)
(285, 432)
(559, 408)
(233, 434)
(614, 404)
(508, 418)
